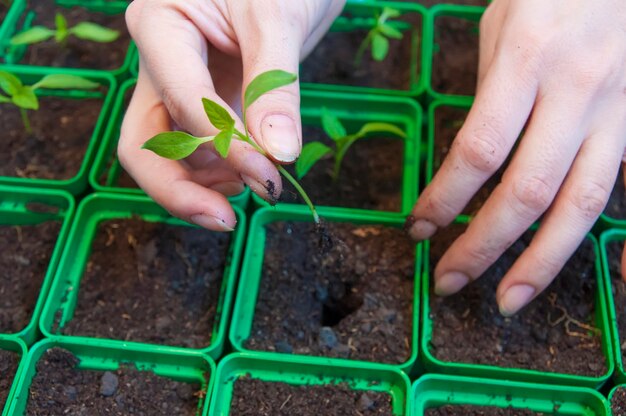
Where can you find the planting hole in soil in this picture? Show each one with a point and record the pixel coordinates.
(9, 361)
(469, 410)
(618, 402)
(257, 397)
(556, 332)
(62, 387)
(616, 207)
(455, 56)
(333, 59)
(77, 53)
(353, 301)
(151, 282)
(24, 262)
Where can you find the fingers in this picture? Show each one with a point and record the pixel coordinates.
(490, 25)
(578, 205)
(497, 117)
(528, 187)
(167, 181)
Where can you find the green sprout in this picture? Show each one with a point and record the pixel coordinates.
(24, 97)
(378, 37)
(177, 145)
(83, 30)
(314, 151)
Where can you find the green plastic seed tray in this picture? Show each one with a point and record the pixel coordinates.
(300, 371)
(22, 206)
(470, 13)
(434, 390)
(180, 365)
(362, 16)
(15, 10)
(107, 170)
(29, 75)
(610, 398)
(354, 110)
(9, 343)
(243, 313)
(96, 208)
(23, 19)
(605, 239)
(602, 320)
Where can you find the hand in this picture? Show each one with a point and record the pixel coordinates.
(212, 48)
(558, 68)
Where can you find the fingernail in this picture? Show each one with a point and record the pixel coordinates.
(229, 188)
(515, 298)
(265, 191)
(450, 283)
(421, 229)
(210, 222)
(280, 137)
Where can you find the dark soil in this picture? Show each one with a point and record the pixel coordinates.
(618, 287)
(354, 301)
(62, 129)
(370, 177)
(60, 388)
(24, 261)
(333, 60)
(9, 362)
(455, 56)
(151, 282)
(616, 207)
(253, 397)
(4, 10)
(468, 410)
(555, 333)
(78, 53)
(618, 402)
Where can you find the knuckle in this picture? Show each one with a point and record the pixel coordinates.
(531, 194)
(483, 150)
(440, 206)
(549, 265)
(590, 199)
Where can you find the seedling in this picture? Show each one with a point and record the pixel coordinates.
(378, 37)
(314, 151)
(24, 97)
(177, 145)
(83, 30)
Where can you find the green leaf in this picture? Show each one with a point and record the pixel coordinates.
(26, 98)
(390, 31)
(218, 116)
(94, 32)
(222, 141)
(9, 83)
(380, 46)
(311, 153)
(61, 22)
(174, 145)
(332, 126)
(389, 12)
(35, 34)
(65, 81)
(266, 82)
(380, 128)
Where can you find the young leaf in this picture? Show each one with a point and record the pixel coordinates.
(173, 145)
(380, 128)
(94, 32)
(390, 31)
(61, 24)
(222, 141)
(218, 116)
(389, 12)
(65, 81)
(26, 98)
(35, 34)
(311, 153)
(380, 46)
(9, 83)
(332, 126)
(4, 99)
(266, 82)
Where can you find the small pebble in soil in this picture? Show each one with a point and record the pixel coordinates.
(109, 383)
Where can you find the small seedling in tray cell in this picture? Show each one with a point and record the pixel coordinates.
(378, 37)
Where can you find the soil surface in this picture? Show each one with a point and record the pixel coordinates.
(468, 410)
(62, 129)
(333, 60)
(253, 397)
(151, 282)
(78, 53)
(4, 10)
(616, 207)
(370, 177)
(455, 56)
(618, 402)
(618, 287)
(9, 362)
(448, 122)
(59, 388)
(555, 333)
(354, 301)
(24, 261)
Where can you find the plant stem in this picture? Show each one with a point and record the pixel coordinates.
(26, 121)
